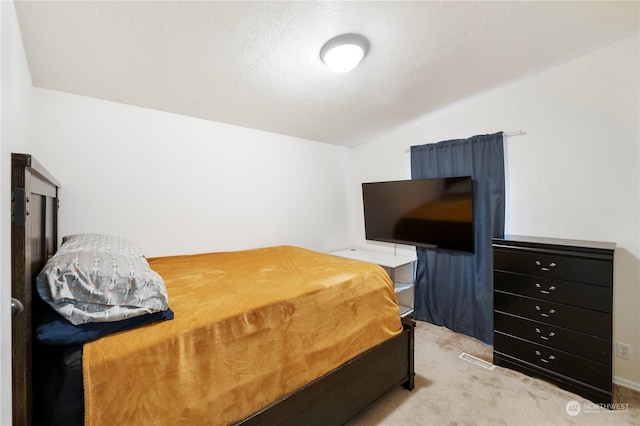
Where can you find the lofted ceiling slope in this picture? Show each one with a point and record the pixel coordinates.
(257, 64)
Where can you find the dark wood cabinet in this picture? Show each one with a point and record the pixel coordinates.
(553, 305)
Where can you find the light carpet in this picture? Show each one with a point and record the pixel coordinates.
(452, 391)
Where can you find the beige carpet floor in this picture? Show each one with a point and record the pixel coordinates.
(452, 391)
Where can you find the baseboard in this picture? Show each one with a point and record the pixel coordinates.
(626, 383)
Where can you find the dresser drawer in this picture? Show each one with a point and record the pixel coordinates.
(578, 368)
(571, 293)
(584, 345)
(570, 317)
(555, 266)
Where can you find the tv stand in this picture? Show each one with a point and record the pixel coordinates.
(401, 270)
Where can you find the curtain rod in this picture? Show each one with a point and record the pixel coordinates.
(505, 134)
(516, 133)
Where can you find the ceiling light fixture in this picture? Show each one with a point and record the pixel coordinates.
(344, 52)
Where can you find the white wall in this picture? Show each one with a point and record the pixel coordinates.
(575, 174)
(177, 184)
(15, 136)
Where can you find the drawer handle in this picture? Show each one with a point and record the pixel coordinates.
(545, 360)
(546, 315)
(545, 291)
(546, 268)
(548, 337)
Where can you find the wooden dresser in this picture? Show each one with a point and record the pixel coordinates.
(553, 311)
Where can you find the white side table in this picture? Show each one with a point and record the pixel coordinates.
(401, 269)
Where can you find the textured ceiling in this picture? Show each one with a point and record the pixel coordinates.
(257, 65)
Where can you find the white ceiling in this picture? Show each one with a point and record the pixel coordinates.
(257, 64)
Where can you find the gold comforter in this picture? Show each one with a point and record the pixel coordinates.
(249, 328)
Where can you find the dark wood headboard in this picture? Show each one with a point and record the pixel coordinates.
(34, 238)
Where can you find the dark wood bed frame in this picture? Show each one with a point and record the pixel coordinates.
(332, 399)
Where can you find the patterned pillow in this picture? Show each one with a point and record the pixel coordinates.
(94, 286)
(102, 243)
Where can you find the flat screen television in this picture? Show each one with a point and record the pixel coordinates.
(432, 213)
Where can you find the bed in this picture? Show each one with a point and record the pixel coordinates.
(348, 381)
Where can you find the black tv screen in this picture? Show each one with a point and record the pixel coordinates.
(432, 213)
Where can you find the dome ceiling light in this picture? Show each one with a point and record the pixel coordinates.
(344, 52)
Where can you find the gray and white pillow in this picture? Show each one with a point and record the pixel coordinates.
(102, 243)
(86, 281)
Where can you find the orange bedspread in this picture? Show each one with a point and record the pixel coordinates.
(249, 328)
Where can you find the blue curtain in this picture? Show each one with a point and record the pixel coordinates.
(455, 289)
